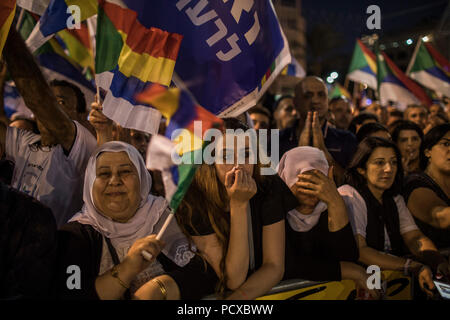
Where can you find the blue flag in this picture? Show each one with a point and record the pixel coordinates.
(231, 50)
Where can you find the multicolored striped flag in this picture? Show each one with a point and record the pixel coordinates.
(78, 45)
(338, 91)
(231, 51)
(183, 113)
(396, 86)
(430, 68)
(58, 15)
(128, 58)
(363, 67)
(294, 69)
(55, 63)
(7, 11)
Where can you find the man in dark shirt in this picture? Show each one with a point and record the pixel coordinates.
(311, 97)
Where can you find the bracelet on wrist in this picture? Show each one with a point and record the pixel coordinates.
(115, 274)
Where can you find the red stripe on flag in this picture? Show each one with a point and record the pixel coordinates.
(366, 50)
(438, 57)
(82, 35)
(410, 84)
(6, 7)
(158, 43)
(208, 120)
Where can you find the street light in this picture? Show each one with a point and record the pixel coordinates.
(425, 39)
(330, 80)
(409, 42)
(334, 75)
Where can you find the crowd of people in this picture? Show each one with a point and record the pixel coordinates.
(79, 210)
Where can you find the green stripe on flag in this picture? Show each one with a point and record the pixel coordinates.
(27, 26)
(109, 44)
(186, 172)
(358, 59)
(423, 60)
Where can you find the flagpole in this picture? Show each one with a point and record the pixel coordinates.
(20, 19)
(413, 59)
(147, 255)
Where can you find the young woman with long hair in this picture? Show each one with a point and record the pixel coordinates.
(235, 218)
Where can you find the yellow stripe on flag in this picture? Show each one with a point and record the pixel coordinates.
(5, 29)
(166, 101)
(82, 55)
(186, 142)
(144, 66)
(88, 8)
(372, 64)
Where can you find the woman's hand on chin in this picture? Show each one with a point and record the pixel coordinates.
(240, 185)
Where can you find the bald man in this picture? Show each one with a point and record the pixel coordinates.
(311, 97)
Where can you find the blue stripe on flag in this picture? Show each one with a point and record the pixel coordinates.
(60, 65)
(185, 113)
(367, 69)
(438, 73)
(393, 79)
(54, 18)
(126, 87)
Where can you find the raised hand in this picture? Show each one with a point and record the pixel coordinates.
(318, 140)
(97, 119)
(305, 136)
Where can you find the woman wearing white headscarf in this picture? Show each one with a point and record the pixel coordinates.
(319, 240)
(100, 249)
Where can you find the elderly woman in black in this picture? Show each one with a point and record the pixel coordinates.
(319, 240)
(427, 194)
(112, 240)
(383, 226)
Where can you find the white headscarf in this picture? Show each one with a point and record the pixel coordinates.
(297, 161)
(149, 210)
(146, 220)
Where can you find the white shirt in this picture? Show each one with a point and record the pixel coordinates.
(357, 212)
(46, 173)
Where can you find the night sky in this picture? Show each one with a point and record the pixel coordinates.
(349, 17)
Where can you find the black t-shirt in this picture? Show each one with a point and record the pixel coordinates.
(440, 237)
(315, 254)
(269, 205)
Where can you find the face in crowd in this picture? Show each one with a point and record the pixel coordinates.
(67, 100)
(234, 155)
(381, 168)
(418, 115)
(116, 189)
(311, 95)
(140, 141)
(408, 142)
(260, 121)
(342, 112)
(439, 155)
(286, 114)
(380, 111)
(435, 109)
